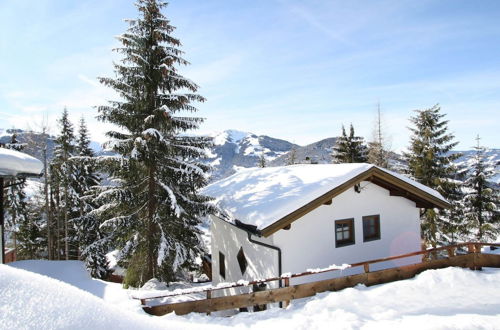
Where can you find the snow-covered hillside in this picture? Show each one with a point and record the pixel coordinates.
(66, 297)
(492, 155)
(233, 149)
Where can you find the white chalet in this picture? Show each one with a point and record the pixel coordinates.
(290, 219)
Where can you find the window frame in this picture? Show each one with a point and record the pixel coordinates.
(222, 265)
(344, 242)
(242, 260)
(377, 234)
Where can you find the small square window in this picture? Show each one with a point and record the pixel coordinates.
(371, 228)
(242, 261)
(222, 265)
(344, 232)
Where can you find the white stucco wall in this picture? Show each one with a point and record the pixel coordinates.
(310, 243)
(228, 239)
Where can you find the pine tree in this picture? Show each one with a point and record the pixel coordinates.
(62, 175)
(262, 160)
(349, 149)
(482, 199)
(378, 154)
(431, 163)
(152, 210)
(87, 225)
(32, 237)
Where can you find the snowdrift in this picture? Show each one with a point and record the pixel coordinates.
(34, 301)
(451, 298)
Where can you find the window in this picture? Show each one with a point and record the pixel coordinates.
(222, 265)
(242, 261)
(371, 228)
(344, 232)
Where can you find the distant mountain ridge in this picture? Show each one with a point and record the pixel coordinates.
(234, 149)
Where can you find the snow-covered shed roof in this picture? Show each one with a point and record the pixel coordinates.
(14, 163)
(273, 197)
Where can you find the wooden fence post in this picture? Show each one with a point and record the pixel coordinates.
(451, 252)
(287, 284)
(209, 296)
(477, 248)
(366, 267)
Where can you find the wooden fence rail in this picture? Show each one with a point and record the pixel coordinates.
(474, 259)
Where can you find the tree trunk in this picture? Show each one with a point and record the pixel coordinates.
(58, 225)
(66, 210)
(151, 260)
(50, 242)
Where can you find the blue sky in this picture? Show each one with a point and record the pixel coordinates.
(295, 70)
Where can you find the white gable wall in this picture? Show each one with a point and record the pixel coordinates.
(310, 243)
(228, 239)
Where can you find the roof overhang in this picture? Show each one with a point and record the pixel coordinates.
(395, 185)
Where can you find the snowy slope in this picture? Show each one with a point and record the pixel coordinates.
(34, 141)
(451, 298)
(236, 149)
(492, 155)
(32, 301)
(319, 152)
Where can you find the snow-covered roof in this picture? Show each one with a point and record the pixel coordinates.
(13, 163)
(262, 196)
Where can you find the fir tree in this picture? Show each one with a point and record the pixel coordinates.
(152, 210)
(87, 225)
(431, 163)
(62, 176)
(262, 160)
(349, 149)
(32, 237)
(482, 199)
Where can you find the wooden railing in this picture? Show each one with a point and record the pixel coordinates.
(471, 258)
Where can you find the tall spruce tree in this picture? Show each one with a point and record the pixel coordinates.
(62, 176)
(87, 225)
(482, 198)
(152, 210)
(349, 149)
(431, 163)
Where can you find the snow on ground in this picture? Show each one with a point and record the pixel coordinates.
(451, 298)
(32, 301)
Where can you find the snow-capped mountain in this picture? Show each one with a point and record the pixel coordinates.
(233, 149)
(315, 153)
(36, 141)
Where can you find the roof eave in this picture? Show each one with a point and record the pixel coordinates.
(367, 175)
